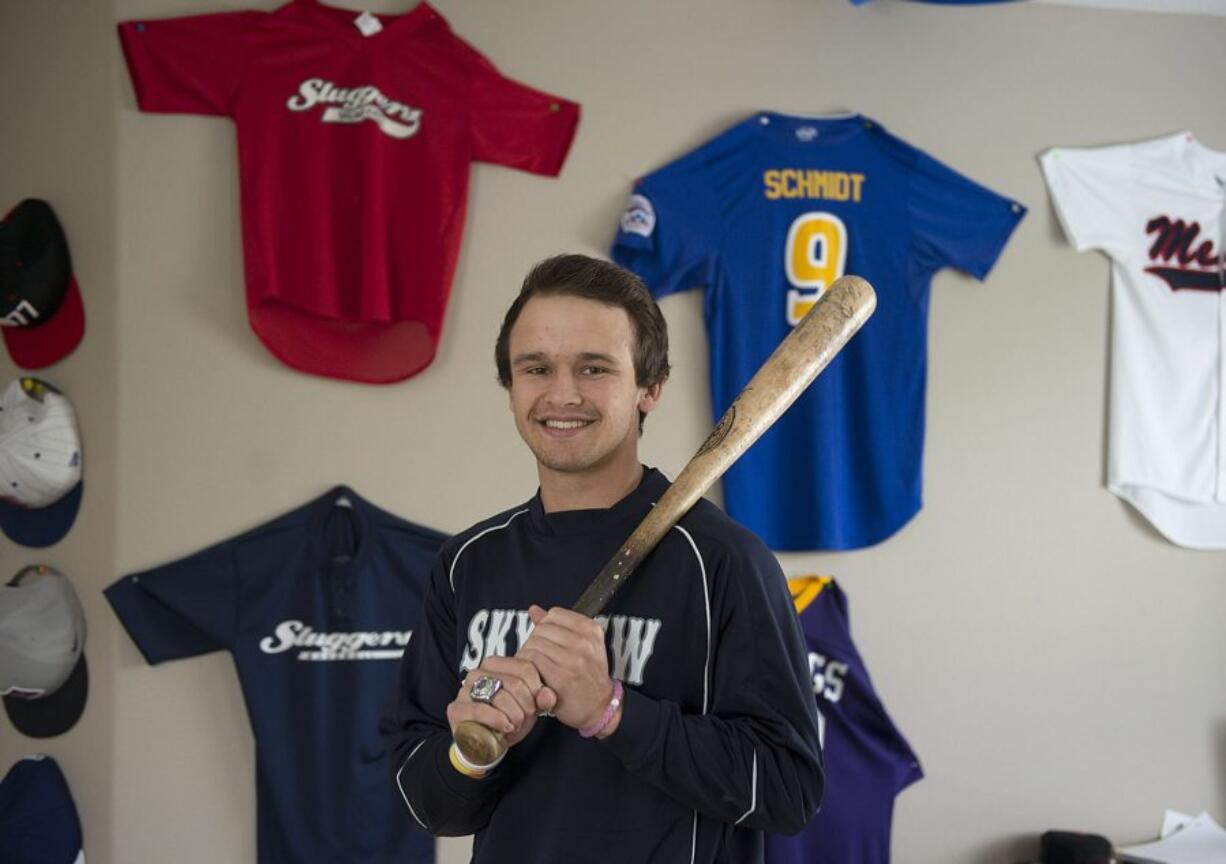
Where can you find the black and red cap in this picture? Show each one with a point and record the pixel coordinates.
(41, 314)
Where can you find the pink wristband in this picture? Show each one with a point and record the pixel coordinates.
(598, 726)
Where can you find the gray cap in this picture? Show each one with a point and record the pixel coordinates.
(43, 676)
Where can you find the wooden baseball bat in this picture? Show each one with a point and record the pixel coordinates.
(836, 316)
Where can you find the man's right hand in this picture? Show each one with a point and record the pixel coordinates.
(512, 712)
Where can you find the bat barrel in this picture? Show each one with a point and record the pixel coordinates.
(800, 357)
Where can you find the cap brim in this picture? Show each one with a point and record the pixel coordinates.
(40, 526)
(52, 715)
(39, 345)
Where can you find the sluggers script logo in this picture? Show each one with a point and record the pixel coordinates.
(355, 104)
(312, 644)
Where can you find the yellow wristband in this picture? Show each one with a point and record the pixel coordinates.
(457, 762)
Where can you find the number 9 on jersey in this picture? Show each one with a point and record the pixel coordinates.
(814, 256)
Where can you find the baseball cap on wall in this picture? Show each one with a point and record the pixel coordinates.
(40, 463)
(38, 819)
(43, 676)
(41, 314)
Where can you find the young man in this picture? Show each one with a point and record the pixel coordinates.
(678, 725)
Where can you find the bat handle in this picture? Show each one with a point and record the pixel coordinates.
(478, 744)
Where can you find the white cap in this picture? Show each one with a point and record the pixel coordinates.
(42, 665)
(40, 448)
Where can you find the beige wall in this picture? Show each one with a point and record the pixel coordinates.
(57, 142)
(1054, 662)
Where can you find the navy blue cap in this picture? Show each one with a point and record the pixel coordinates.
(38, 820)
(40, 526)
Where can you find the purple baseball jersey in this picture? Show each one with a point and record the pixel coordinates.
(868, 762)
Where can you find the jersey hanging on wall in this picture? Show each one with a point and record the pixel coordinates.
(316, 608)
(868, 762)
(355, 135)
(763, 218)
(1155, 208)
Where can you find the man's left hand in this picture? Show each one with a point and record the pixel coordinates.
(568, 650)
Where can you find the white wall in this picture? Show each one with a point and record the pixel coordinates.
(1054, 662)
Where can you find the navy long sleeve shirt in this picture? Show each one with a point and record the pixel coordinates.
(718, 738)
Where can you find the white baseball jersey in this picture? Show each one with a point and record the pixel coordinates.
(1155, 208)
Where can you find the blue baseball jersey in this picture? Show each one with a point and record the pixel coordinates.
(763, 218)
(868, 762)
(316, 608)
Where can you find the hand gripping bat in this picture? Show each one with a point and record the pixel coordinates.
(801, 356)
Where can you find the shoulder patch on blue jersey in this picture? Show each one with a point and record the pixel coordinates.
(639, 217)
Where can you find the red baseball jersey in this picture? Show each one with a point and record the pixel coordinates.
(355, 135)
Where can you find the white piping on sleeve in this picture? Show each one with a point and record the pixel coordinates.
(706, 601)
(400, 785)
(753, 792)
(706, 668)
(451, 571)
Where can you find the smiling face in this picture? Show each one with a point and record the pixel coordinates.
(573, 390)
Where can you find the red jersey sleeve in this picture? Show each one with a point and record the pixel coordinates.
(190, 65)
(515, 125)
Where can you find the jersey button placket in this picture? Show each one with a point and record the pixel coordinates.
(340, 595)
(1220, 485)
(1220, 489)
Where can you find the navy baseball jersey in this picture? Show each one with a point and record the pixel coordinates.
(316, 608)
(868, 762)
(763, 218)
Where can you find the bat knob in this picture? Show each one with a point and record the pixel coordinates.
(477, 744)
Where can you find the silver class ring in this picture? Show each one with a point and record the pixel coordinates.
(484, 689)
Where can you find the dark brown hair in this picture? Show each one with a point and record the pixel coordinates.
(593, 279)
